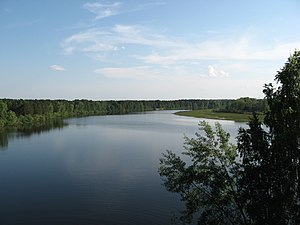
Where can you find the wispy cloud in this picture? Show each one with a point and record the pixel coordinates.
(166, 50)
(238, 48)
(100, 40)
(56, 68)
(103, 10)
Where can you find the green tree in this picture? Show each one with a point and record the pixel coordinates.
(273, 157)
(3, 111)
(255, 181)
(208, 184)
(11, 119)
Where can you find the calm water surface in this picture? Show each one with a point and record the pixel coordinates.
(96, 170)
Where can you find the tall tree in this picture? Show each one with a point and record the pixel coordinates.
(276, 166)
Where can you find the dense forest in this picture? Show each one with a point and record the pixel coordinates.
(19, 112)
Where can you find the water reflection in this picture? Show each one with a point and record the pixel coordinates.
(7, 135)
(3, 139)
(97, 170)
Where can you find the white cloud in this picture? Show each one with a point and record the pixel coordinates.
(222, 73)
(213, 72)
(103, 10)
(56, 68)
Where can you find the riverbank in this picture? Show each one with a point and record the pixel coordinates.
(210, 114)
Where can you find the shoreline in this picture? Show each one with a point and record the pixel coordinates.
(210, 114)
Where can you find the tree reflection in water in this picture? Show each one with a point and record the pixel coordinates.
(24, 132)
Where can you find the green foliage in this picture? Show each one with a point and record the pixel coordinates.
(11, 119)
(3, 109)
(255, 181)
(246, 104)
(2, 123)
(209, 182)
(19, 112)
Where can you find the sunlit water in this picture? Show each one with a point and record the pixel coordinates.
(96, 170)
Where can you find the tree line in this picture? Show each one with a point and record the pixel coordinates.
(20, 112)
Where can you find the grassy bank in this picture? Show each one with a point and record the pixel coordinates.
(210, 114)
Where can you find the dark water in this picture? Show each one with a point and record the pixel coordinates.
(96, 170)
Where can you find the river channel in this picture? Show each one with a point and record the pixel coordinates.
(94, 170)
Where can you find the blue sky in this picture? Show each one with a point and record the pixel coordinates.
(74, 49)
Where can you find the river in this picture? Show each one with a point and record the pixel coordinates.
(94, 170)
